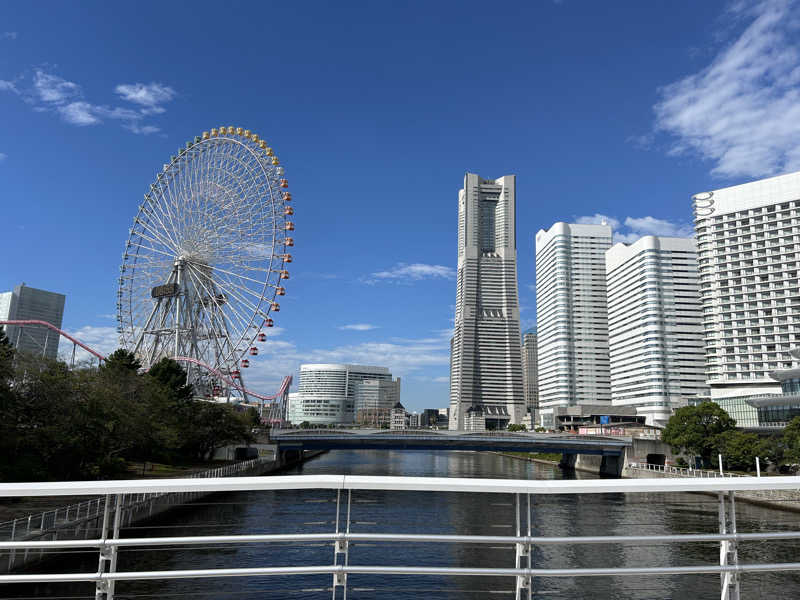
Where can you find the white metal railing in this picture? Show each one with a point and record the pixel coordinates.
(681, 471)
(523, 572)
(34, 525)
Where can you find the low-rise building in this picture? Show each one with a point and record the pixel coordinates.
(398, 417)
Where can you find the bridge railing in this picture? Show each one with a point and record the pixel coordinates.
(521, 493)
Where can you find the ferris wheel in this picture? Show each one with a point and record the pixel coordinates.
(205, 260)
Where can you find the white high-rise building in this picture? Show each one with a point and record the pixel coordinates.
(485, 353)
(529, 367)
(326, 393)
(748, 246)
(27, 303)
(572, 317)
(655, 326)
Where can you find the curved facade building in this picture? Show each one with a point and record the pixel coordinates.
(326, 394)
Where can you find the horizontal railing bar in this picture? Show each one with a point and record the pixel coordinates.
(395, 537)
(430, 484)
(388, 570)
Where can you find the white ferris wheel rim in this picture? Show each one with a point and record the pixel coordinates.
(218, 209)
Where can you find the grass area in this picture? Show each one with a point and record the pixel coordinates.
(551, 456)
(136, 470)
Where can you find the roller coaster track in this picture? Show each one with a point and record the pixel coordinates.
(279, 395)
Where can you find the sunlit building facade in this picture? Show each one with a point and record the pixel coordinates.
(655, 326)
(572, 318)
(27, 303)
(485, 353)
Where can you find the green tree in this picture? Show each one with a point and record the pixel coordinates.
(121, 360)
(693, 429)
(738, 449)
(214, 426)
(170, 374)
(515, 427)
(790, 442)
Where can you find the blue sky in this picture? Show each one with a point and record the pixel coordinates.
(377, 109)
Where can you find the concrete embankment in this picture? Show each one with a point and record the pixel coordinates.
(528, 458)
(778, 499)
(84, 520)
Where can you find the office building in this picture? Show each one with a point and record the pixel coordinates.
(655, 326)
(748, 250)
(27, 303)
(485, 353)
(326, 393)
(374, 399)
(529, 367)
(572, 318)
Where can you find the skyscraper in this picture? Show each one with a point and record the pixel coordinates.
(655, 326)
(572, 318)
(749, 260)
(529, 367)
(485, 353)
(27, 303)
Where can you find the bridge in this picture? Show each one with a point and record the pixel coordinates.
(610, 450)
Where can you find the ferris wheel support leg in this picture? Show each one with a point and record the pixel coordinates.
(74, 346)
(179, 266)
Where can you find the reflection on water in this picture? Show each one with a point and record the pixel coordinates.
(423, 512)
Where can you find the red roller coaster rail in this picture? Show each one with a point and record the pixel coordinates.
(287, 381)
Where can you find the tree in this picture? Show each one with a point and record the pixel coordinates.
(693, 429)
(738, 449)
(214, 426)
(121, 360)
(170, 374)
(790, 442)
(515, 427)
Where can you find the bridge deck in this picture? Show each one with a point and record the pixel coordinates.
(383, 439)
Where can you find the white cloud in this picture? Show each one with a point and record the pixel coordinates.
(148, 95)
(47, 92)
(358, 327)
(8, 35)
(79, 113)
(653, 226)
(442, 379)
(101, 339)
(742, 111)
(633, 228)
(598, 219)
(54, 89)
(412, 272)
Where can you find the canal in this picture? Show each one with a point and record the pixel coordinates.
(423, 512)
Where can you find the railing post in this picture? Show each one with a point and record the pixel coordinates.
(341, 546)
(101, 585)
(523, 551)
(12, 554)
(729, 581)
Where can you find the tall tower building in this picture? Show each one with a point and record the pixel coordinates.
(529, 367)
(572, 318)
(27, 303)
(655, 326)
(749, 259)
(485, 353)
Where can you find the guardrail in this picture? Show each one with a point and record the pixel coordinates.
(682, 471)
(522, 492)
(79, 519)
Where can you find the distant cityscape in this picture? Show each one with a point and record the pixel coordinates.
(625, 332)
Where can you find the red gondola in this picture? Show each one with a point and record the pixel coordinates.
(253, 351)
(268, 323)
(245, 363)
(284, 183)
(236, 374)
(281, 291)
(262, 337)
